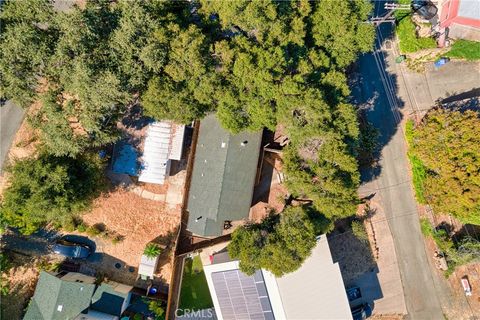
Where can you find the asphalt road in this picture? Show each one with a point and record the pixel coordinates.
(392, 186)
(11, 118)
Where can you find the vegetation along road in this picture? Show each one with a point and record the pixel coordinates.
(393, 185)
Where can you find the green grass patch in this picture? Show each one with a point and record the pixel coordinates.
(408, 40)
(464, 49)
(419, 174)
(426, 227)
(194, 293)
(419, 170)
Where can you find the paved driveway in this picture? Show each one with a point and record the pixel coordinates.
(391, 184)
(11, 118)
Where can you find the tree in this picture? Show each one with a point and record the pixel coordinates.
(152, 250)
(280, 243)
(339, 28)
(26, 44)
(185, 90)
(50, 189)
(448, 144)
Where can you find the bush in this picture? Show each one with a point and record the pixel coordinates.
(152, 250)
(408, 40)
(93, 231)
(81, 227)
(444, 151)
(157, 308)
(358, 230)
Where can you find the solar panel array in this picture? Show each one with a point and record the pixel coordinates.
(241, 296)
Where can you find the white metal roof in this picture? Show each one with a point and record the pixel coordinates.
(315, 291)
(177, 142)
(156, 164)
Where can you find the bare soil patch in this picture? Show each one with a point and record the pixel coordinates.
(138, 221)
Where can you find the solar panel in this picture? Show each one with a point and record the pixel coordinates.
(241, 296)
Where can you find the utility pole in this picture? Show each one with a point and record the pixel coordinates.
(388, 17)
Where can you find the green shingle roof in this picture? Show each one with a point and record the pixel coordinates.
(107, 300)
(223, 177)
(56, 299)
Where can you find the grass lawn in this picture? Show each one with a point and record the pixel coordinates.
(194, 293)
(464, 49)
(419, 171)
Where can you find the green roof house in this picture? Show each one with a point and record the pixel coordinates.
(74, 296)
(223, 177)
(58, 298)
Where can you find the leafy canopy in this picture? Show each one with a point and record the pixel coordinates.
(50, 189)
(448, 144)
(280, 243)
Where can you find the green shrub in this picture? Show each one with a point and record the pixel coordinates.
(93, 231)
(358, 230)
(426, 227)
(408, 40)
(157, 308)
(81, 227)
(419, 174)
(152, 250)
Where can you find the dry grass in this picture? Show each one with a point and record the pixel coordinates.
(139, 221)
(23, 278)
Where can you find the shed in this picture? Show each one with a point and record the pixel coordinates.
(147, 266)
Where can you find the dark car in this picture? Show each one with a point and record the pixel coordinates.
(425, 8)
(361, 312)
(71, 249)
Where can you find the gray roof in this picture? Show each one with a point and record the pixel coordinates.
(57, 299)
(223, 177)
(107, 300)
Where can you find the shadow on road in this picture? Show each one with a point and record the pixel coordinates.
(374, 92)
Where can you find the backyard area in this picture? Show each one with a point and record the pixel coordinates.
(135, 221)
(194, 292)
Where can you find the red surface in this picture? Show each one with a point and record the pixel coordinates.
(450, 15)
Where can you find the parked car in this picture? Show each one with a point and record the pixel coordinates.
(361, 312)
(72, 249)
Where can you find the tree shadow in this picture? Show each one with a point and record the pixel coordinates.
(357, 264)
(374, 92)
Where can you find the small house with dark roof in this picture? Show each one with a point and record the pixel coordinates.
(60, 296)
(223, 178)
(72, 295)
